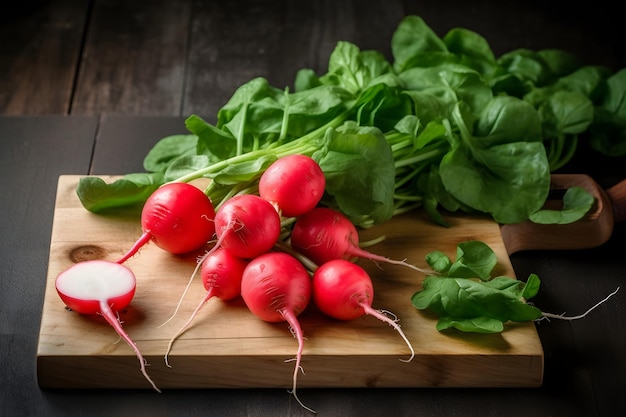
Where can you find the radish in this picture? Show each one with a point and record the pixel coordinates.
(325, 234)
(177, 217)
(247, 225)
(221, 273)
(294, 183)
(343, 290)
(276, 287)
(101, 287)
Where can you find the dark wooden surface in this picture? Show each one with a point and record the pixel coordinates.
(90, 86)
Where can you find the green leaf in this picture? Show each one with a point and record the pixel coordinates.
(473, 259)
(566, 112)
(468, 304)
(306, 79)
(413, 41)
(472, 48)
(474, 325)
(532, 286)
(510, 181)
(439, 261)
(243, 171)
(133, 190)
(185, 165)
(608, 132)
(464, 300)
(529, 66)
(212, 142)
(168, 149)
(576, 203)
(359, 169)
(450, 83)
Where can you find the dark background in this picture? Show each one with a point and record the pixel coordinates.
(90, 86)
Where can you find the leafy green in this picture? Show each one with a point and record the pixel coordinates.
(442, 125)
(510, 180)
(132, 190)
(576, 203)
(464, 298)
(167, 150)
(359, 170)
(609, 127)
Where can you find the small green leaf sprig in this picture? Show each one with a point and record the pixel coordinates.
(465, 296)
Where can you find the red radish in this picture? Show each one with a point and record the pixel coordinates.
(343, 290)
(276, 287)
(247, 226)
(177, 217)
(221, 273)
(324, 234)
(295, 183)
(101, 287)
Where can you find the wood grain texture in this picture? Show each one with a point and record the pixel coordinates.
(134, 59)
(274, 40)
(229, 341)
(39, 54)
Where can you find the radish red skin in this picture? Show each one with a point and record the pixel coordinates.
(90, 307)
(247, 225)
(341, 288)
(295, 183)
(274, 283)
(221, 274)
(324, 234)
(276, 287)
(178, 218)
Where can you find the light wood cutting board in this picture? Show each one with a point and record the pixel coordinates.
(227, 347)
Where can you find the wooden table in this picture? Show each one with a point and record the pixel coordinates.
(89, 87)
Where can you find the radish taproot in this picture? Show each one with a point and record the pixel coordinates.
(276, 287)
(325, 234)
(294, 183)
(101, 287)
(247, 226)
(177, 217)
(221, 273)
(343, 290)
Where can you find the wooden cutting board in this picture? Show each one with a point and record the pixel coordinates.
(227, 347)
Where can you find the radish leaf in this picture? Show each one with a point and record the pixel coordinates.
(467, 301)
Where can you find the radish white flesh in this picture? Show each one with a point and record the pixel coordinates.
(276, 287)
(101, 287)
(295, 183)
(177, 217)
(343, 290)
(324, 234)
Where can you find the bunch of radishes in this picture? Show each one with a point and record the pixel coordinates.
(277, 277)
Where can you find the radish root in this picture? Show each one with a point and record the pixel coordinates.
(547, 316)
(393, 323)
(182, 297)
(110, 317)
(296, 330)
(186, 326)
